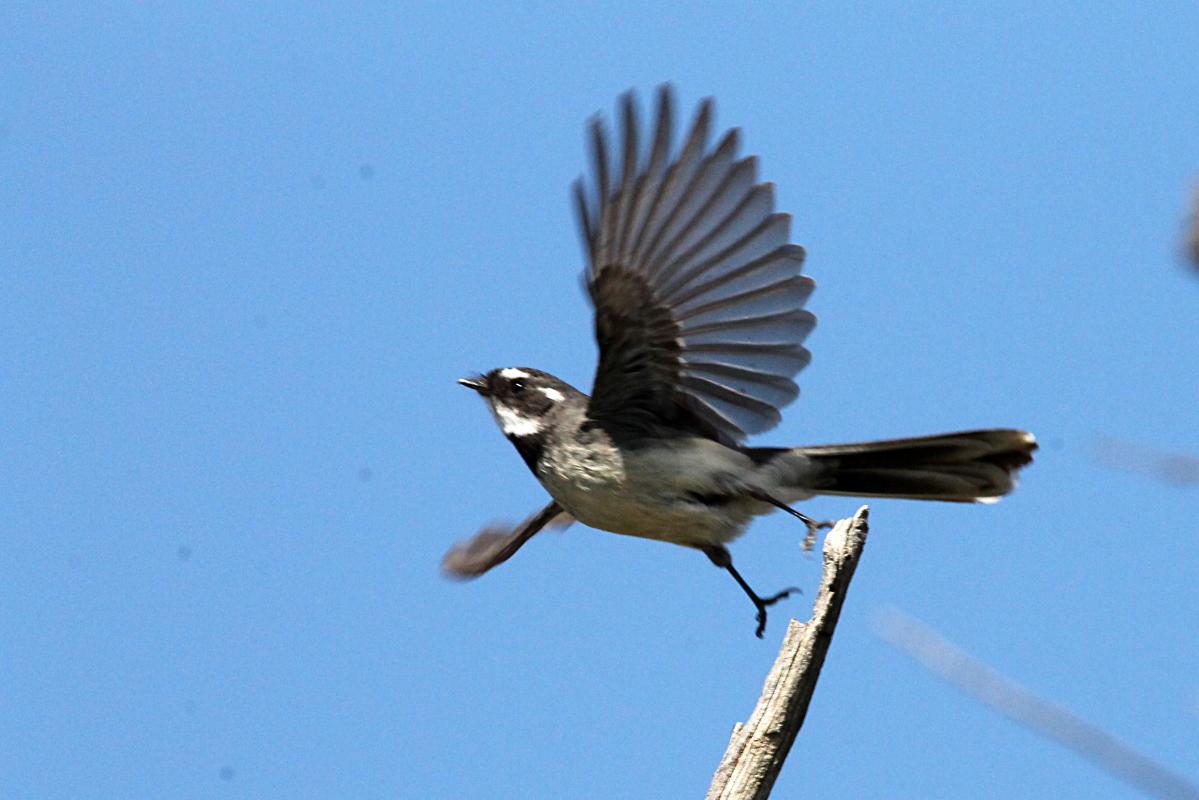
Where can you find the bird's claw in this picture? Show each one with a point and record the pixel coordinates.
(763, 602)
(809, 539)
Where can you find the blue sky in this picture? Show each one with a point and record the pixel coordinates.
(245, 253)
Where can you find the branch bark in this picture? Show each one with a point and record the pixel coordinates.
(758, 748)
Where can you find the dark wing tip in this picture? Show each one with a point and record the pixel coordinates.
(599, 156)
(583, 216)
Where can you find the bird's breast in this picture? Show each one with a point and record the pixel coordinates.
(655, 493)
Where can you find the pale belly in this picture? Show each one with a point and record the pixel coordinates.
(651, 495)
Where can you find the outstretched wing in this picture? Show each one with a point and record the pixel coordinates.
(697, 290)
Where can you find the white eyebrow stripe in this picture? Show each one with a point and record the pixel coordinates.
(553, 394)
(514, 424)
(512, 373)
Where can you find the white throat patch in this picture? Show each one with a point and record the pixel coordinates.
(513, 423)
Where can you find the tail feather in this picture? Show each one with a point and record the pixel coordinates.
(964, 467)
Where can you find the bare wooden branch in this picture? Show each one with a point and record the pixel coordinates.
(757, 749)
(943, 659)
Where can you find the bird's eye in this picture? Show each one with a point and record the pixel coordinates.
(518, 385)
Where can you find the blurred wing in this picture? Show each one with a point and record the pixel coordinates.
(494, 545)
(697, 290)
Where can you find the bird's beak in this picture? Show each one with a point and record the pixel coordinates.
(478, 383)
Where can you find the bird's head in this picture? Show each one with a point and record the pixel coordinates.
(523, 399)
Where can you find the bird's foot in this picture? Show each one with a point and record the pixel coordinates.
(763, 602)
(809, 539)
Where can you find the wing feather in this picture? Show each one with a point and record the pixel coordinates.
(626, 196)
(773, 358)
(651, 182)
(788, 326)
(715, 225)
(678, 178)
(704, 189)
(766, 238)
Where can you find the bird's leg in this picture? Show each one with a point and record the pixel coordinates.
(809, 539)
(719, 556)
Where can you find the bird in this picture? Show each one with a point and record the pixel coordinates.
(699, 299)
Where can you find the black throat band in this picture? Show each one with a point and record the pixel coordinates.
(530, 448)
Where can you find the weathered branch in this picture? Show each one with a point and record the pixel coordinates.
(757, 749)
(1101, 748)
